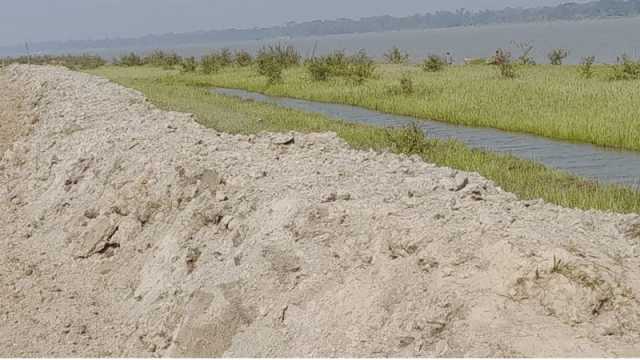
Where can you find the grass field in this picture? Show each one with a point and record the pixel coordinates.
(552, 101)
(188, 92)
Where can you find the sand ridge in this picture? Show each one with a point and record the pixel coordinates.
(131, 231)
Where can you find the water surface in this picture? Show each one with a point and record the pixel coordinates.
(584, 160)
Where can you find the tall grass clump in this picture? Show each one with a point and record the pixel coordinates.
(215, 61)
(272, 60)
(189, 64)
(585, 69)
(434, 63)
(318, 69)
(243, 58)
(404, 87)
(361, 67)
(504, 62)
(285, 55)
(358, 67)
(396, 56)
(162, 59)
(625, 69)
(557, 56)
(130, 59)
(210, 64)
(408, 140)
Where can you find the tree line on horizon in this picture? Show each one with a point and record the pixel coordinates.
(439, 19)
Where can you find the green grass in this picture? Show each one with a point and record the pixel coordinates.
(188, 92)
(551, 101)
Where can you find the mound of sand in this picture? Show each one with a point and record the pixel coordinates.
(130, 231)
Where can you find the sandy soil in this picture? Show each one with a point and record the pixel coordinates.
(130, 231)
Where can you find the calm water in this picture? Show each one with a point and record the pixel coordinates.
(605, 39)
(588, 161)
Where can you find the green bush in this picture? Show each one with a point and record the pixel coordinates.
(434, 63)
(160, 58)
(405, 86)
(131, 59)
(557, 56)
(210, 64)
(243, 58)
(358, 67)
(285, 55)
(408, 140)
(361, 67)
(625, 69)
(585, 69)
(318, 69)
(189, 64)
(396, 56)
(270, 67)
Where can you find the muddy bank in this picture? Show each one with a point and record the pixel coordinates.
(130, 231)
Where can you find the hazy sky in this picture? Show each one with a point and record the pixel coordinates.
(38, 20)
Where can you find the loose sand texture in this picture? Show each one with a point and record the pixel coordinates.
(130, 231)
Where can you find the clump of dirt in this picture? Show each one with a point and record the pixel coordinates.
(131, 231)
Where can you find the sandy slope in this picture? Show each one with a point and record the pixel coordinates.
(127, 230)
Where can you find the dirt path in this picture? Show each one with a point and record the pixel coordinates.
(140, 233)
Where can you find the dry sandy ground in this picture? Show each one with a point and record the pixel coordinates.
(129, 231)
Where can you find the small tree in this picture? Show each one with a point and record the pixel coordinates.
(556, 56)
(396, 56)
(586, 67)
(526, 57)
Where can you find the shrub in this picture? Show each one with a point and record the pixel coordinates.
(131, 59)
(526, 58)
(406, 84)
(270, 67)
(318, 69)
(405, 87)
(162, 59)
(503, 60)
(243, 58)
(189, 64)
(434, 63)
(361, 67)
(585, 69)
(358, 67)
(556, 56)
(285, 55)
(210, 64)
(625, 69)
(408, 140)
(225, 57)
(396, 56)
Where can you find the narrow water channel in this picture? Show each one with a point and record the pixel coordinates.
(584, 160)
